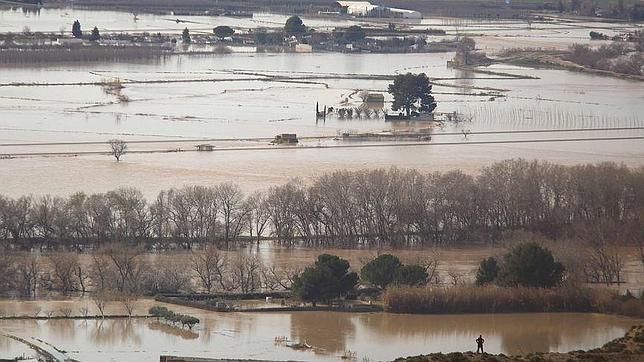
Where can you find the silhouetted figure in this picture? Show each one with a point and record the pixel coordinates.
(479, 344)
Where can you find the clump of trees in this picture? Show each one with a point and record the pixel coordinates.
(223, 31)
(387, 269)
(185, 36)
(412, 93)
(77, 32)
(525, 265)
(174, 318)
(294, 26)
(329, 278)
(95, 35)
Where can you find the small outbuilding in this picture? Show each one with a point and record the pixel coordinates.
(205, 147)
(286, 138)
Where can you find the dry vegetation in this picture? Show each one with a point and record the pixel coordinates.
(616, 59)
(79, 54)
(468, 299)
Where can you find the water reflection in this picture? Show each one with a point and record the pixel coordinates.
(327, 332)
(377, 336)
(173, 330)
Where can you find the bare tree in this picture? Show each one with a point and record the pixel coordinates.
(64, 267)
(245, 273)
(29, 270)
(128, 265)
(128, 302)
(82, 276)
(233, 210)
(605, 261)
(100, 299)
(210, 267)
(65, 312)
(258, 216)
(117, 148)
(274, 277)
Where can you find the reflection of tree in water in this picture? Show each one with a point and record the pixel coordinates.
(114, 332)
(63, 329)
(327, 331)
(173, 330)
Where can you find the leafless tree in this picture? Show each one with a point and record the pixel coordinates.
(100, 299)
(117, 148)
(65, 312)
(128, 265)
(128, 302)
(275, 278)
(605, 261)
(29, 270)
(84, 311)
(8, 274)
(234, 210)
(258, 215)
(245, 273)
(82, 277)
(210, 267)
(64, 266)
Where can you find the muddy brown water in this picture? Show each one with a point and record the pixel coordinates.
(372, 336)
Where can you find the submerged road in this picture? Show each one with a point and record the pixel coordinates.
(361, 145)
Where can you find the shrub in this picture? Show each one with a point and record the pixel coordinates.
(327, 279)
(414, 275)
(487, 272)
(530, 265)
(402, 299)
(381, 271)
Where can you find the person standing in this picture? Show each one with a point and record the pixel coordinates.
(479, 344)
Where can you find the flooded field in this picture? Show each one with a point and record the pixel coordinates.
(182, 100)
(240, 96)
(372, 336)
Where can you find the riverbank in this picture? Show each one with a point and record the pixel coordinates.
(627, 348)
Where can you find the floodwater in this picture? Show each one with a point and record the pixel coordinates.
(372, 336)
(184, 99)
(236, 104)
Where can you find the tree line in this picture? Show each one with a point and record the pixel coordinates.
(373, 208)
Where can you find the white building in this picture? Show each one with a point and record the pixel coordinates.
(362, 8)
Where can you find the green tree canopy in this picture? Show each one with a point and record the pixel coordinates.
(76, 29)
(354, 33)
(530, 265)
(414, 275)
(487, 271)
(294, 26)
(95, 35)
(381, 271)
(412, 92)
(223, 31)
(185, 36)
(329, 278)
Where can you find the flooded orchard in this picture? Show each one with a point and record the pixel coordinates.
(372, 336)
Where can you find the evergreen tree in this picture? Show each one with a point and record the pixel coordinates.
(96, 35)
(76, 29)
(185, 36)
